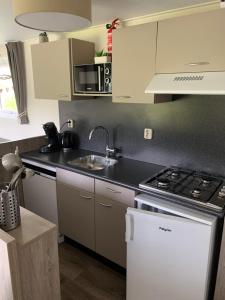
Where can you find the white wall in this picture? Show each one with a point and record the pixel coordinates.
(39, 111)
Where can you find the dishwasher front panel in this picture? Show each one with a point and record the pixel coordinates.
(40, 196)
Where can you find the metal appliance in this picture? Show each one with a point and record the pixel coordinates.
(94, 78)
(188, 186)
(53, 138)
(40, 191)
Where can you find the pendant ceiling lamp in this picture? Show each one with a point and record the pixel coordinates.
(53, 15)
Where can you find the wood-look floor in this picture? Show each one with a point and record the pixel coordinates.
(85, 278)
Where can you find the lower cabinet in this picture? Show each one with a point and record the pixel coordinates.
(92, 212)
(110, 229)
(76, 207)
(111, 203)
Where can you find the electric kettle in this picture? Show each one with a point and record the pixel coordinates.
(69, 141)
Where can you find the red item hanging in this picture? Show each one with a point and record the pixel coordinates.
(110, 28)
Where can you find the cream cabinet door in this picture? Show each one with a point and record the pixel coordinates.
(110, 229)
(76, 214)
(52, 70)
(111, 203)
(193, 43)
(133, 63)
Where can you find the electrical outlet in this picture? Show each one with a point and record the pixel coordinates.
(70, 123)
(148, 134)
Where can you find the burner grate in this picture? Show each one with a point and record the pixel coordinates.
(186, 185)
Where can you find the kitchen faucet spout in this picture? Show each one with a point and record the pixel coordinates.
(107, 149)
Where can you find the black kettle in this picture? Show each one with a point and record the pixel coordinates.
(69, 141)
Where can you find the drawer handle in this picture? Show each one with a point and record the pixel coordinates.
(86, 197)
(113, 191)
(199, 63)
(105, 205)
(62, 96)
(127, 97)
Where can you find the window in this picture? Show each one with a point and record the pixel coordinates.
(7, 95)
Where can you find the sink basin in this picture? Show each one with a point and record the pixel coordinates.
(93, 162)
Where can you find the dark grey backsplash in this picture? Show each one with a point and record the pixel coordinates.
(188, 132)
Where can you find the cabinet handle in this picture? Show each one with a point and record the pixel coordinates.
(105, 205)
(127, 97)
(113, 191)
(86, 197)
(62, 95)
(199, 63)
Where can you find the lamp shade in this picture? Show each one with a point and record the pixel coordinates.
(53, 15)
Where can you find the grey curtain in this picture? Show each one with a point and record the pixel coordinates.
(16, 58)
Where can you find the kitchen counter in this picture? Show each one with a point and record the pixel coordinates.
(127, 172)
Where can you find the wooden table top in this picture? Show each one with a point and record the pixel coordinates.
(32, 227)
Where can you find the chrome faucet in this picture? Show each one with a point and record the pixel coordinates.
(107, 149)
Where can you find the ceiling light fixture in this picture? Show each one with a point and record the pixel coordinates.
(53, 15)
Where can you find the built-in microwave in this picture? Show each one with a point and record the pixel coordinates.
(94, 78)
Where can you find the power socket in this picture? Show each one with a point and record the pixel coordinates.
(148, 134)
(70, 123)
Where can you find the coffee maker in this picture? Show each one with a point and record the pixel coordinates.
(53, 138)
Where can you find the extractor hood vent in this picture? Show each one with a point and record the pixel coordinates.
(189, 78)
(208, 83)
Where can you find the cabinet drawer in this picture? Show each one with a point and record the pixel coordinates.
(115, 192)
(76, 180)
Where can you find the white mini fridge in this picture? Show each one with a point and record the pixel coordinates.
(169, 251)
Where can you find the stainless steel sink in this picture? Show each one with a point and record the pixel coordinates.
(93, 162)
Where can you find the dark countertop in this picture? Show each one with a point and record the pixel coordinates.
(127, 172)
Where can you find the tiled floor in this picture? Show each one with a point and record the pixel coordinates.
(85, 278)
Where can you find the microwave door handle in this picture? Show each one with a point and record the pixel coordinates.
(99, 78)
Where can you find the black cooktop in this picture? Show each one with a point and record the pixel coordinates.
(188, 185)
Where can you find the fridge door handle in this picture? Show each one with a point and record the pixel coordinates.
(129, 228)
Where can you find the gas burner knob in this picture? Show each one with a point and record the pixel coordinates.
(221, 194)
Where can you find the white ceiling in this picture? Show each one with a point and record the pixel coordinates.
(103, 11)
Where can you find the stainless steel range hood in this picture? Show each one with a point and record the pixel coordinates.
(208, 83)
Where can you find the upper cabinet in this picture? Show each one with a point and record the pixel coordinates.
(53, 67)
(193, 43)
(133, 63)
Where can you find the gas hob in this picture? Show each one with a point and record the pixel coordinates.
(199, 188)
